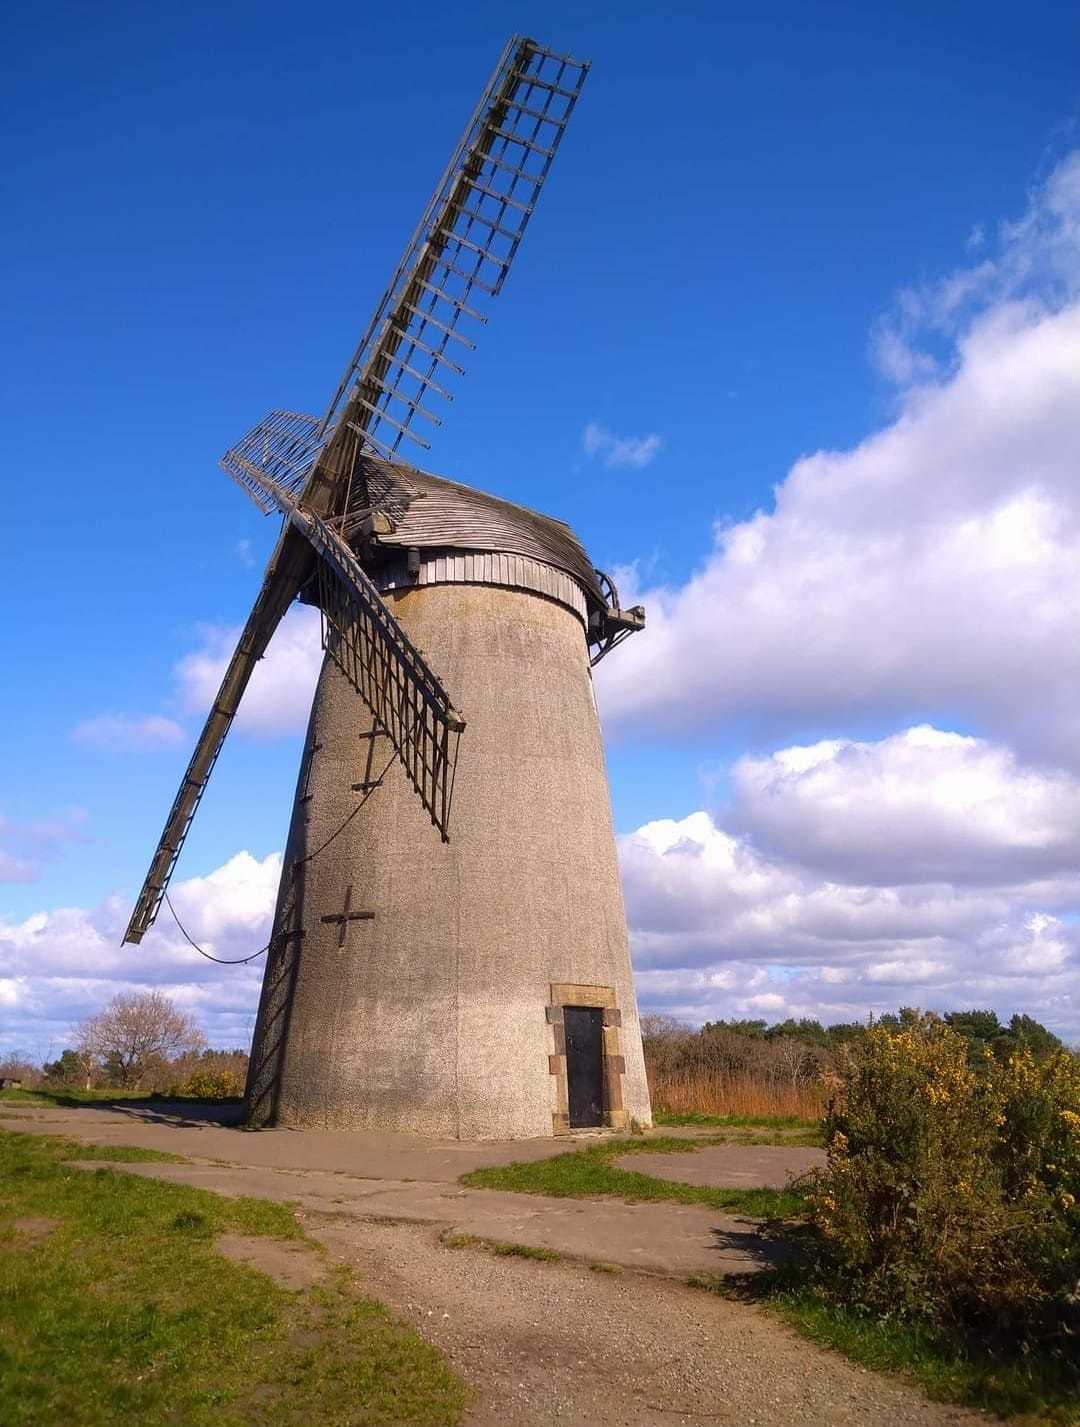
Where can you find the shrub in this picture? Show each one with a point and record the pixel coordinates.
(949, 1200)
(209, 1085)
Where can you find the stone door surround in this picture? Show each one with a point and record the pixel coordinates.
(569, 993)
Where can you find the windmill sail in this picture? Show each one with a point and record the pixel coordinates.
(368, 644)
(276, 455)
(390, 674)
(463, 246)
(284, 576)
(458, 257)
(456, 260)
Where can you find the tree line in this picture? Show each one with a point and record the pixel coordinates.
(145, 1042)
(796, 1051)
(142, 1041)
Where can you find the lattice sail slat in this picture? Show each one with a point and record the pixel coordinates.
(372, 650)
(463, 246)
(390, 675)
(279, 453)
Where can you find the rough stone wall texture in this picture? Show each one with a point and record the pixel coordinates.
(432, 1017)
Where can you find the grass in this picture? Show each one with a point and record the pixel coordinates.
(522, 1251)
(499, 1247)
(65, 1149)
(1036, 1390)
(740, 1122)
(124, 1311)
(590, 1174)
(70, 1098)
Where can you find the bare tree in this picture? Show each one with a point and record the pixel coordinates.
(134, 1030)
(16, 1067)
(794, 1061)
(657, 1026)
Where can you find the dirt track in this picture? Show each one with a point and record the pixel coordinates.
(541, 1343)
(545, 1343)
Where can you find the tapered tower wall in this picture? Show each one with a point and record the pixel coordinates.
(441, 1014)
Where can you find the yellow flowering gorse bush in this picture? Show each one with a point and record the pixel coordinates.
(950, 1195)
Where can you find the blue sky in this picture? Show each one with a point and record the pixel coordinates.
(204, 204)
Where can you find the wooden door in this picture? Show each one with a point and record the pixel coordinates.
(584, 1026)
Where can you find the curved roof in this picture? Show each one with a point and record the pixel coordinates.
(429, 512)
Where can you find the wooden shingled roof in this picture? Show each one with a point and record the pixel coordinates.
(429, 512)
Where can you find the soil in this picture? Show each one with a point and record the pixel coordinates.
(34, 1226)
(291, 1265)
(545, 1343)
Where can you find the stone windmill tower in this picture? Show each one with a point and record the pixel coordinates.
(474, 985)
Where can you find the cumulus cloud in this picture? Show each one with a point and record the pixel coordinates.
(601, 444)
(845, 877)
(933, 567)
(1037, 260)
(722, 928)
(278, 698)
(63, 964)
(276, 703)
(120, 733)
(922, 804)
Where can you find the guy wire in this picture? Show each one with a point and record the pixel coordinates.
(300, 861)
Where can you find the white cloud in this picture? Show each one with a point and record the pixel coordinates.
(786, 910)
(120, 733)
(922, 804)
(636, 451)
(278, 698)
(721, 929)
(1037, 261)
(896, 359)
(16, 869)
(935, 566)
(276, 703)
(62, 965)
(242, 551)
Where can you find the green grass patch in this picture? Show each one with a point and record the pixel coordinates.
(590, 1174)
(1040, 1390)
(454, 1240)
(498, 1247)
(118, 1308)
(737, 1122)
(72, 1099)
(522, 1251)
(67, 1149)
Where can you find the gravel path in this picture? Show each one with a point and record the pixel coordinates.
(547, 1343)
(541, 1343)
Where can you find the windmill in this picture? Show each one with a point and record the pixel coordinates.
(474, 985)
